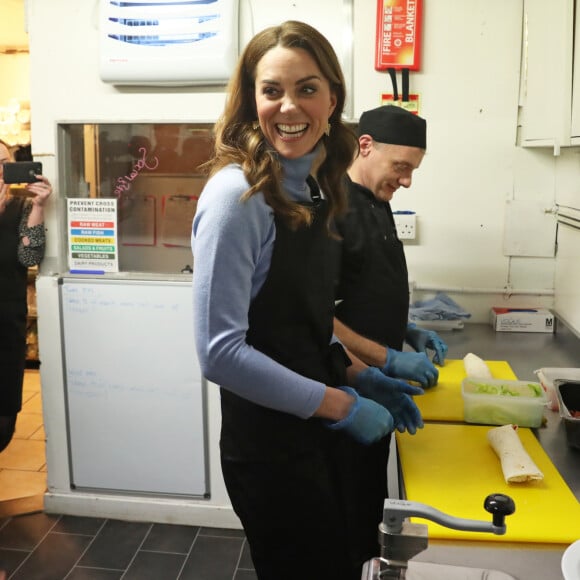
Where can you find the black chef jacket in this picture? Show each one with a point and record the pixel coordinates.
(373, 285)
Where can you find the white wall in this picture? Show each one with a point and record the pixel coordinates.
(14, 61)
(468, 85)
(567, 277)
(14, 65)
(16, 68)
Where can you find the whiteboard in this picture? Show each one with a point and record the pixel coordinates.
(135, 402)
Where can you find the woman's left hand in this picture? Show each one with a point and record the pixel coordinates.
(41, 190)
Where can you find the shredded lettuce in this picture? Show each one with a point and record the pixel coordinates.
(536, 389)
(505, 390)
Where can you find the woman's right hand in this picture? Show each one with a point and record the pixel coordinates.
(40, 190)
(366, 422)
(395, 395)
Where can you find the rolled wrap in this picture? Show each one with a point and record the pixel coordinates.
(516, 464)
(476, 367)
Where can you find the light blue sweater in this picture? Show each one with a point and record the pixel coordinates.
(232, 243)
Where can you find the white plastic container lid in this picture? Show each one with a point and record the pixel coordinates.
(547, 376)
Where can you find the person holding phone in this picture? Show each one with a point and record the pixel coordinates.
(22, 244)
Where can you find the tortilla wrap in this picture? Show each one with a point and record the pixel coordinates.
(475, 367)
(516, 464)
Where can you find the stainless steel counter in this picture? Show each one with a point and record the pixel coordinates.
(525, 352)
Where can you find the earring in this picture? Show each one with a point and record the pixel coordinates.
(327, 130)
(256, 125)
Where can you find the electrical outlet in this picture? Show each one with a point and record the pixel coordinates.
(406, 225)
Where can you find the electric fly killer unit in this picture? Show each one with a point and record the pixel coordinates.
(168, 42)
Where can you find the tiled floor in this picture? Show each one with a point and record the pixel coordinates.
(38, 546)
(44, 547)
(23, 463)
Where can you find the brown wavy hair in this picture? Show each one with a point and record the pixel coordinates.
(236, 141)
(9, 147)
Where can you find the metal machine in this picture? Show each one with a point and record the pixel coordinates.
(401, 540)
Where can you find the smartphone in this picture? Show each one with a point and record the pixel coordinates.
(21, 171)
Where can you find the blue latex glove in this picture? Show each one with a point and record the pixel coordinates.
(411, 366)
(421, 339)
(366, 422)
(393, 394)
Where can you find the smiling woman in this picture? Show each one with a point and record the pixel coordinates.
(293, 102)
(265, 268)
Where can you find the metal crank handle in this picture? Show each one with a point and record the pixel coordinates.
(498, 504)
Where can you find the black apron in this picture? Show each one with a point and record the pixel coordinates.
(290, 320)
(289, 479)
(13, 310)
(373, 284)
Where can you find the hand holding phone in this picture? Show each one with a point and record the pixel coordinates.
(21, 171)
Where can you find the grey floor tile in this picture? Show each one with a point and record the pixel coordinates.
(222, 533)
(94, 574)
(78, 525)
(155, 566)
(246, 558)
(11, 559)
(53, 558)
(25, 532)
(115, 545)
(212, 558)
(246, 575)
(170, 538)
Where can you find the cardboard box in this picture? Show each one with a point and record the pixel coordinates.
(522, 320)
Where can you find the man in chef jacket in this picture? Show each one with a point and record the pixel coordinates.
(371, 317)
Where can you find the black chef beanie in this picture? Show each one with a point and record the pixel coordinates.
(394, 125)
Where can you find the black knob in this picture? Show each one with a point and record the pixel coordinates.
(500, 506)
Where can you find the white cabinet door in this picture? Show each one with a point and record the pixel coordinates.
(567, 279)
(576, 82)
(546, 87)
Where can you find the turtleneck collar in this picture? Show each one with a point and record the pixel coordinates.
(295, 173)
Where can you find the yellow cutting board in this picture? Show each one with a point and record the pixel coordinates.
(444, 402)
(453, 468)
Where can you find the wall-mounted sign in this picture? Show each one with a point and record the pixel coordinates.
(92, 235)
(412, 105)
(398, 34)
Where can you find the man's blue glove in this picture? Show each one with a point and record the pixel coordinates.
(411, 366)
(366, 422)
(393, 394)
(421, 339)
